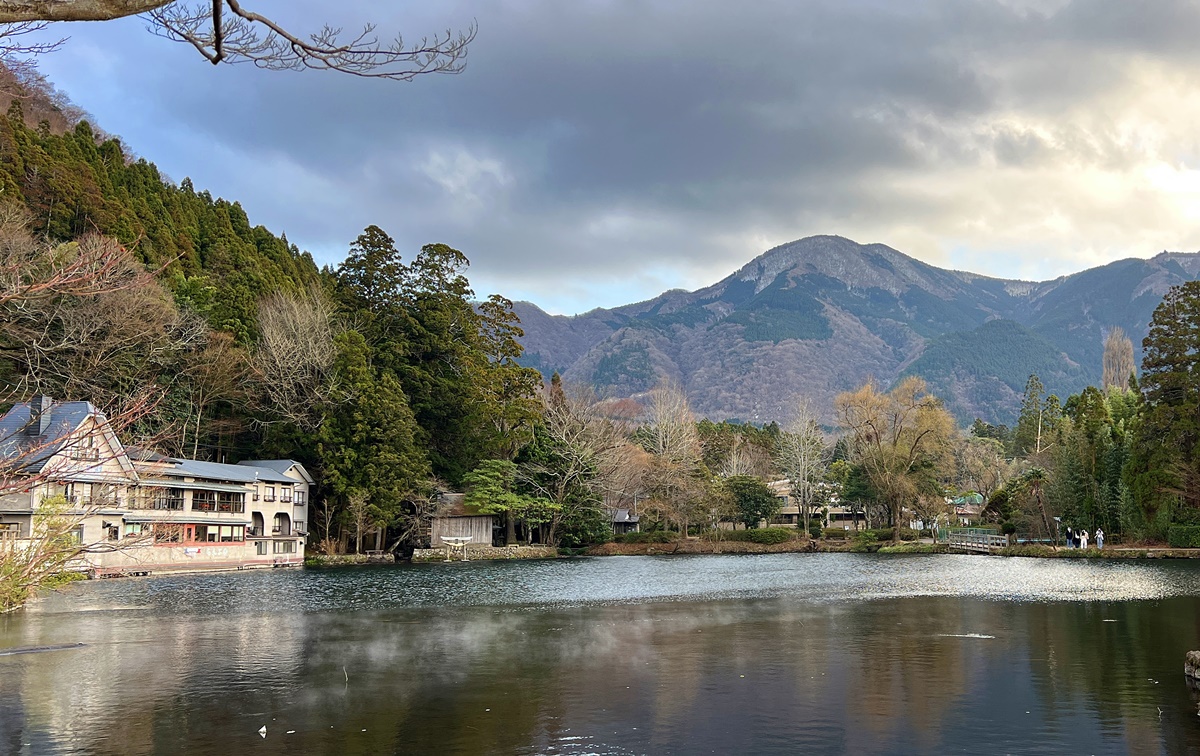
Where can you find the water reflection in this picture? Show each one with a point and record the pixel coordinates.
(777, 654)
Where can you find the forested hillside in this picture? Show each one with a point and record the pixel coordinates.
(74, 181)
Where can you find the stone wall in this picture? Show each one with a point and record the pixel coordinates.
(488, 552)
(1191, 665)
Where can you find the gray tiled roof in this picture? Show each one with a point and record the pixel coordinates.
(32, 452)
(280, 466)
(219, 471)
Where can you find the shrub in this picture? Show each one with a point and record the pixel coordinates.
(769, 535)
(814, 531)
(1008, 528)
(913, 548)
(655, 536)
(759, 535)
(837, 533)
(885, 534)
(1184, 537)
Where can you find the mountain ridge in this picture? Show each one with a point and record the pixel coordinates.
(819, 315)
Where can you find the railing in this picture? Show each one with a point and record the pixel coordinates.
(269, 497)
(281, 530)
(254, 531)
(977, 541)
(944, 533)
(85, 454)
(168, 503)
(286, 497)
(298, 526)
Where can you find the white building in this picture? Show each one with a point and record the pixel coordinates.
(144, 512)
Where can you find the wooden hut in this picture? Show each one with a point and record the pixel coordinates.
(455, 518)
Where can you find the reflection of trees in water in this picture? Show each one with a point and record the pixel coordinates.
(843, 676)
(1076, 654)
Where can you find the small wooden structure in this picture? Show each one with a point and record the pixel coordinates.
(971, 539)
(457, 520)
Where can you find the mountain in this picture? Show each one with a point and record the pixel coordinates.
(823, 314)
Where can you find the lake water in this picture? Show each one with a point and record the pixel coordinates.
(786, 653)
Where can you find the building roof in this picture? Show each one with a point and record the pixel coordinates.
(622, 515)
(240, 473)
(280, 466)
(31, 452)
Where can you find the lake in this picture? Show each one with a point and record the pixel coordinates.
(767, 654)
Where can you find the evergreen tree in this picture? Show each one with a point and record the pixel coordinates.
(1166, 461)
(368, 445)
(754, 501)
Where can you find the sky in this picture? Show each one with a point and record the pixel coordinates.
(598, 152)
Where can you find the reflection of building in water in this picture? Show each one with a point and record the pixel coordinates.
(132, 691)
(140, 511)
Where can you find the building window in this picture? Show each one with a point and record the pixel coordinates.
(85, 449)
(285, 547)
(270, 495)
(134, 530)
(299, 497)
(168, 532)
(220, 533)
(204, 501)
(260, 548)
(157, 498)
(78, 494)
(231, 502)
(285, 494)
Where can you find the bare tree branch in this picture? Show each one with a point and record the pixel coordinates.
(225, 31)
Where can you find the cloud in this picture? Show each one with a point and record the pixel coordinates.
(597, 152)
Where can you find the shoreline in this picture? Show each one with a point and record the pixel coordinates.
(699, 547)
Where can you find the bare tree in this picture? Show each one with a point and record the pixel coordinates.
(981, 466)
(673, 478)
(1118, 360)
(359, 511)
(670, 429)
(225, 31)
(801, 457)
(896, 436)
(589, 448)
(294, 355)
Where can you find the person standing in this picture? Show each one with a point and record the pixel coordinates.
(1099, 538)
(1083, 536)
(1070, 538)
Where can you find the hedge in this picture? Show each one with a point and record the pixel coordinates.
(885, 534)
(1184, 536)
(656, 536)
(760, 535)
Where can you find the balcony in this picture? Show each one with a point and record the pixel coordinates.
(269, 497)
(286, 497)
(298, 526)
(84, 454)
(254, 532)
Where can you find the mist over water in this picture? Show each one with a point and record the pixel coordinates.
(788, 653)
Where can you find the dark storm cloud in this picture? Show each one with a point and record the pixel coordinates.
(598, 151)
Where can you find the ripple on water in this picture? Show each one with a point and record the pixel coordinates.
(624, 580)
